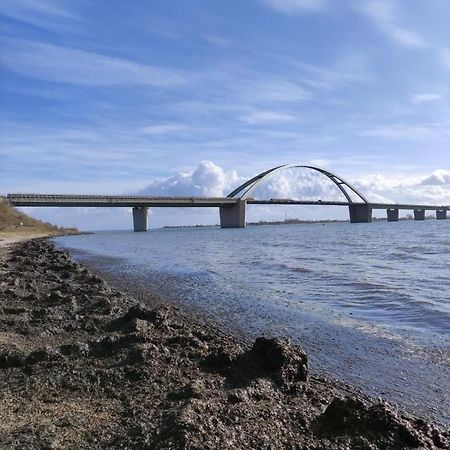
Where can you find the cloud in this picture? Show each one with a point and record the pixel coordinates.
(382, 13)
(438, 177)
(298, 184)
(68, 65)
(295, 6)
(418, 189)
(208, 179)
(46, 14)
(266, 117)
(421, 98)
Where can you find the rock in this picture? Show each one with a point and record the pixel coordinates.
(221, 360)
(105, 346)
(42, 354)
(352, 416)
(140, 354)
(55, 298)
(157, 316)
(137, 326)
(237, 396)
(195, 389)
(285, 362)
(75, 348)
(133, 319)
(11, 357)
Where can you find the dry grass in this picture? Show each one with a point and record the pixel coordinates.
(16, 223)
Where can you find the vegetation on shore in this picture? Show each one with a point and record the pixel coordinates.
(14, 222)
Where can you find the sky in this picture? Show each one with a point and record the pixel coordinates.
(193, 97)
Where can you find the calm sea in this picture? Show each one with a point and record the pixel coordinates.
(370, 303)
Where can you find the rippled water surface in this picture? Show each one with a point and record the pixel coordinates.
(370, 302)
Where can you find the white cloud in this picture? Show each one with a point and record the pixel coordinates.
(69, 65)
(383, 14)
(438, 177)
(208, 179)
(266, 117)
(421, 98)
(418, 189)
(295, 6)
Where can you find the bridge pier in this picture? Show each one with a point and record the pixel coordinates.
(360, 213)
(233, 216)
(419, 214)
(140, 218)
(441, 214)
(392, 214)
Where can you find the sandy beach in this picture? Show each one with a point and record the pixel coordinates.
(83, 365)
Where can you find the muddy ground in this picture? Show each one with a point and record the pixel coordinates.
(84, 366)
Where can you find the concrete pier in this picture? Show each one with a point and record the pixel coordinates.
(441, 214)
(392, 215)
(233, 216)
(140, 218)
(360, 213)
(419, 214)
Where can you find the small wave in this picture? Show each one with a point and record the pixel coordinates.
(301, 270)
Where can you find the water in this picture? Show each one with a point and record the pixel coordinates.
(369, 302)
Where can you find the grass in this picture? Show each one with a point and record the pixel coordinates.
(14, 222)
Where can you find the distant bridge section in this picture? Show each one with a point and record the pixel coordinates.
(115, 200)
(233, 207)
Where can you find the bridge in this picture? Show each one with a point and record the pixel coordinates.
(233, 207)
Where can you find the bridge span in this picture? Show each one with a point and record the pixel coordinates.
(233, 207)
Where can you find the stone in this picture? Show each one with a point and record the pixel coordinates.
(285, 362)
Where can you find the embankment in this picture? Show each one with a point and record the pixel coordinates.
(84, 366)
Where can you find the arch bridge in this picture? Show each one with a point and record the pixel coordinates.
(233, 207)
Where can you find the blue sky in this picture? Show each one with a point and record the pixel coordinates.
(115, 97)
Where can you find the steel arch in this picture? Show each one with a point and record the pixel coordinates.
(248, 187)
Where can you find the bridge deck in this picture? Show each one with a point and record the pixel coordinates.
(115, 200)
(160, 201)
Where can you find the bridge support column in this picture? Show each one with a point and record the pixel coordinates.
(233, 216)
(140, 218)
(392, 215)
(419, 214)
(441, 214)
(360, 213)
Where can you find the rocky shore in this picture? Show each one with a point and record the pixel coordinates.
(85, 366)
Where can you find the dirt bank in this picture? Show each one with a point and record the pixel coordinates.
(17, 226)
(83, 366)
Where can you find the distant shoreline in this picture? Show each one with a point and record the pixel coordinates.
(291, 222)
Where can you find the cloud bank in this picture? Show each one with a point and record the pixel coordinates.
(208, 179)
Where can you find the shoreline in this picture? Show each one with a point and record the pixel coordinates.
(407, 371)
(84, 365)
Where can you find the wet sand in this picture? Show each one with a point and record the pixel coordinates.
(84, 366)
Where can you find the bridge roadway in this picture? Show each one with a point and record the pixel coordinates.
(232, 210)
(160, 201)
